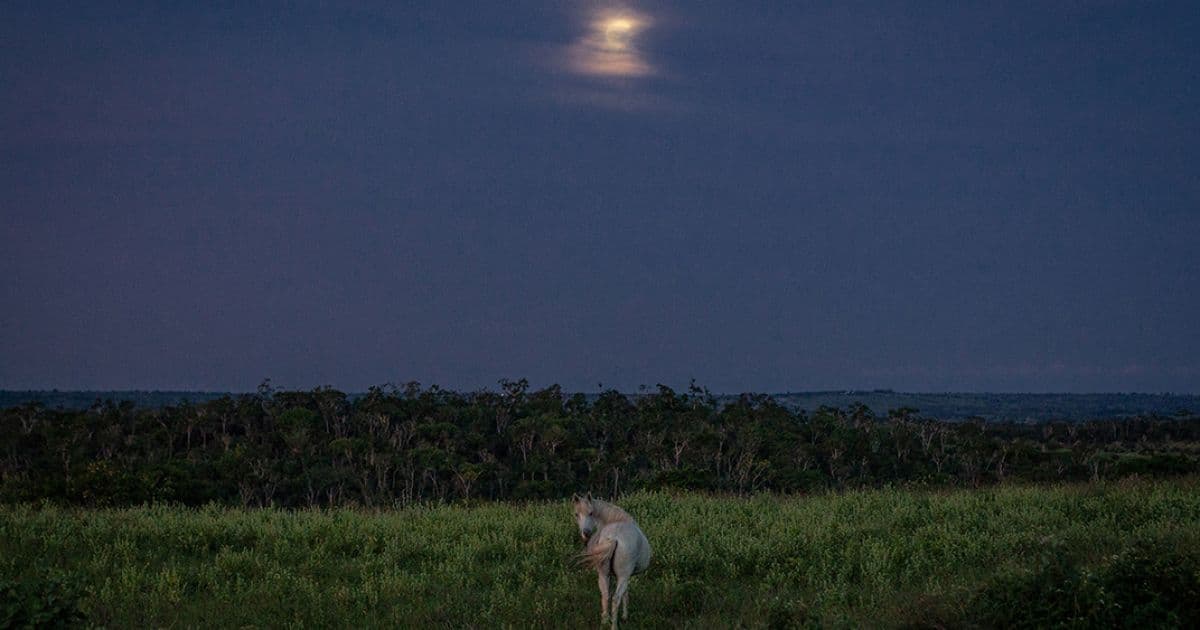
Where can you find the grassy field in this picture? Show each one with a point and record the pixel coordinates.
(875, 558)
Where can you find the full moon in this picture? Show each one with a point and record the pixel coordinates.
(618, 33)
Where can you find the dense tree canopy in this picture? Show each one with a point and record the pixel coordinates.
(398, 445)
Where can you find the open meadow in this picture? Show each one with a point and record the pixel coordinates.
(1086, 554)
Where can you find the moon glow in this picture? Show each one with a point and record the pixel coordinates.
(609, 47)
(618, 33)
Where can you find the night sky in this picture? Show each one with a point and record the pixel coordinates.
(762, 196)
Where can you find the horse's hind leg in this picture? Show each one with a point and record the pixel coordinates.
(619, 596)
(604, 594)
(625, 606)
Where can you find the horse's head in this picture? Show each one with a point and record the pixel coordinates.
(584, 515)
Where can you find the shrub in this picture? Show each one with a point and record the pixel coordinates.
(48, 602)
(1148, 585)
(1154, 585)
(1057, 593)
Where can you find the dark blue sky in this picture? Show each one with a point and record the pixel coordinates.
(758, 195)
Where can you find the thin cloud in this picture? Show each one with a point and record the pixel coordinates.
(623, 100)
(607, 65)
(610, 47)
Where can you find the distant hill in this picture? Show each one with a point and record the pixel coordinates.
(56, 399)
(1001, 407)
(990, 407)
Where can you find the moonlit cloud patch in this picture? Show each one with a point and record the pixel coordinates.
(610, 46)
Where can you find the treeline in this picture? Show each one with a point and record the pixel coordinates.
(993, 407)
(398, 445)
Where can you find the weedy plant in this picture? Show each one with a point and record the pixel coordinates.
(47, 601)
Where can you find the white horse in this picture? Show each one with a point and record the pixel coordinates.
(616, 547)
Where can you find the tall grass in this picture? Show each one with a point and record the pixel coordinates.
(871, 558)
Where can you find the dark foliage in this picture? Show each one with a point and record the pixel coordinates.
(45, 602)
(400, 445)
(992, 407)
(1146, 586)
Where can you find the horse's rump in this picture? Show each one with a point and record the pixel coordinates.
(603, 553)
(600, 554)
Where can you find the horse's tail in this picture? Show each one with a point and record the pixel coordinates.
(600, 555)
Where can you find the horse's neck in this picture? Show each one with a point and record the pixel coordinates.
(609, 513)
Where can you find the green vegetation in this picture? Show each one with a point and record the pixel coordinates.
(394, 447)
(1084, 555)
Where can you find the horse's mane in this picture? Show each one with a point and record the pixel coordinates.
(610, 513)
